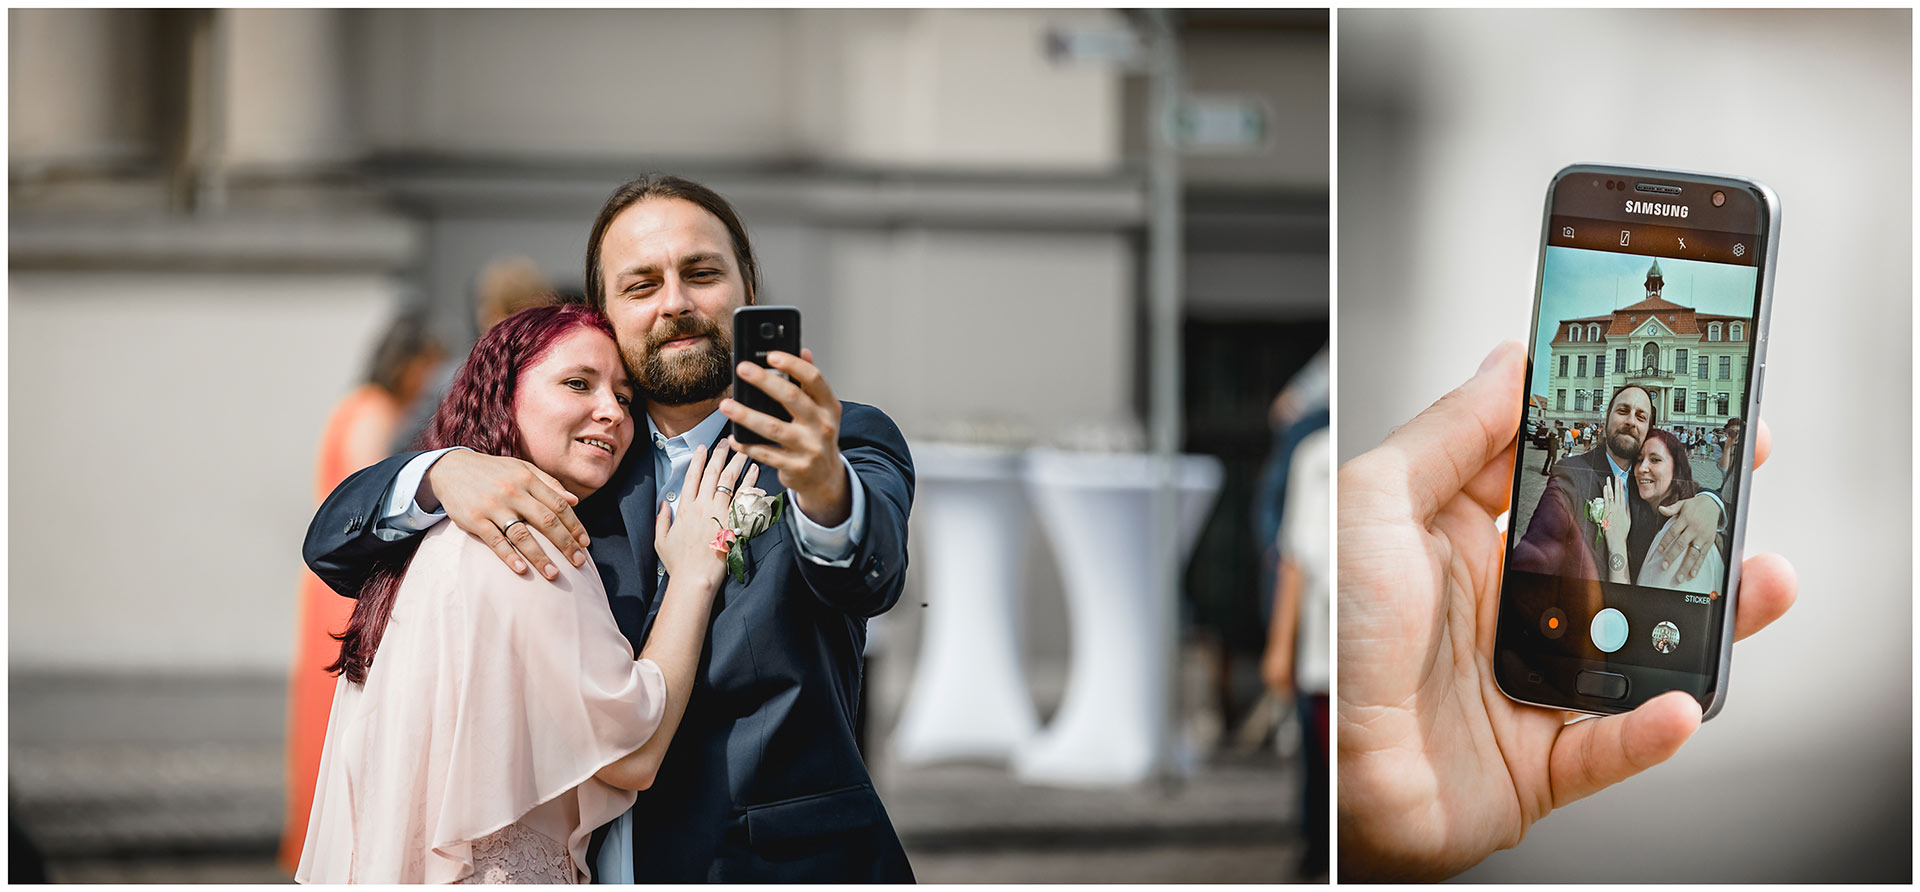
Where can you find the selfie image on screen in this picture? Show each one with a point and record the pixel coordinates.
(1640, 370)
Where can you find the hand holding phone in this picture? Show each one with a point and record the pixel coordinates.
(784, 415)
(1423, 729)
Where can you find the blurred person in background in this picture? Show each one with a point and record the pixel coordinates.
(504, 287)
(485, 729)
(1302, 407)
(1438, 769)
(1299, 660)
(764, 782)
(358, 434)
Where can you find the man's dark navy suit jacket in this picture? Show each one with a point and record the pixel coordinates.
(763, 782)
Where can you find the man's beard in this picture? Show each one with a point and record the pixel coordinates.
(693, 375)
(1624, 446)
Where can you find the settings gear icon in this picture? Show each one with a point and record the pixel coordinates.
(1739, 250)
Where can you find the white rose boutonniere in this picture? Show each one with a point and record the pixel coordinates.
(751, 513)
(1597, 514)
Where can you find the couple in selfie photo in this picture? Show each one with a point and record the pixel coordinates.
(1629, 511)
(597, 637)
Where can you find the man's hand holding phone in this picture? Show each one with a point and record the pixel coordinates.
(1438, 768)
(805, 451)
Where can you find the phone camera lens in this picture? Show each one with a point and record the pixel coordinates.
(768, 330)
(1719, 198)
(1609, 185)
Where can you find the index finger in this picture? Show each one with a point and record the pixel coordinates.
(805, 373)
(1448, 444)
(1762, 442)
(561, 503)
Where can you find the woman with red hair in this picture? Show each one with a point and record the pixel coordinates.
(486, 722)
(1661, 476)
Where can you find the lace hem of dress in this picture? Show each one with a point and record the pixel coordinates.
(518, 854)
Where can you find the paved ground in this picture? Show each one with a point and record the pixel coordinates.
(142, 780)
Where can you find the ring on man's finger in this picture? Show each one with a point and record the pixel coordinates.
(510, 524)
(726, 489)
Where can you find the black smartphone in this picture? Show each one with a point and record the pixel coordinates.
(1645, 368)
(758, 331)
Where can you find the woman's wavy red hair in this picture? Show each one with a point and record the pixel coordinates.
(477, 413)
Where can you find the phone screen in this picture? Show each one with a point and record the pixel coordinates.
(1639, 385)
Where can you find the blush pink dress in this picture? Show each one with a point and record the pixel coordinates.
(469, 754)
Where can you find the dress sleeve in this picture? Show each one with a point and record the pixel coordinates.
(549, 693)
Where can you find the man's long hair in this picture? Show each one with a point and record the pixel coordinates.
(659, 185)
(477, 413)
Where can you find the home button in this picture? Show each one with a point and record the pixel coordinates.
(1608, 685)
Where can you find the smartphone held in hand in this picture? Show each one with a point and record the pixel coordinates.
(758, 331)
(1646, 364)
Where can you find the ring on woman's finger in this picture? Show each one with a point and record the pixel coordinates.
(1694, 547)
(510, 524)
(726, 489)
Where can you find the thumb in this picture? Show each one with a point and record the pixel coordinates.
(1445, 446)
(1595, 754)
(1669, 510)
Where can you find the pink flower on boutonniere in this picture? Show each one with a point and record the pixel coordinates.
(750, 513)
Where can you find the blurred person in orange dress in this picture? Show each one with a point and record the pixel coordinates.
(358, 434)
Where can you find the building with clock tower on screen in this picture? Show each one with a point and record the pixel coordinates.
(1694, 364)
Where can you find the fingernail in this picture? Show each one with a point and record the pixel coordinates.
(519, 567)
(1666, 565)
(550, 572)
(579, 559)
(1493, 359)
(584, 541)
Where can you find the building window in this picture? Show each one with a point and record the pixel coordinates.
(1679, 400)
(1600, 366)
(1620, 359)
(1700, 404)
(1583, 368)
(1650, 359)
(1680, 361)
(1720, 402)
(1713, 331)
(1580, 400)
(1726, 367)
(1573, 332)
(1703, 368)
(1560, 401)
(1593, 332)
(1563, 366)
(1734, 331)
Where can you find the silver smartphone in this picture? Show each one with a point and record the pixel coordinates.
(1646, 365)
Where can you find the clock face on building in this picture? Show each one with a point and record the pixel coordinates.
(1651, 330)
